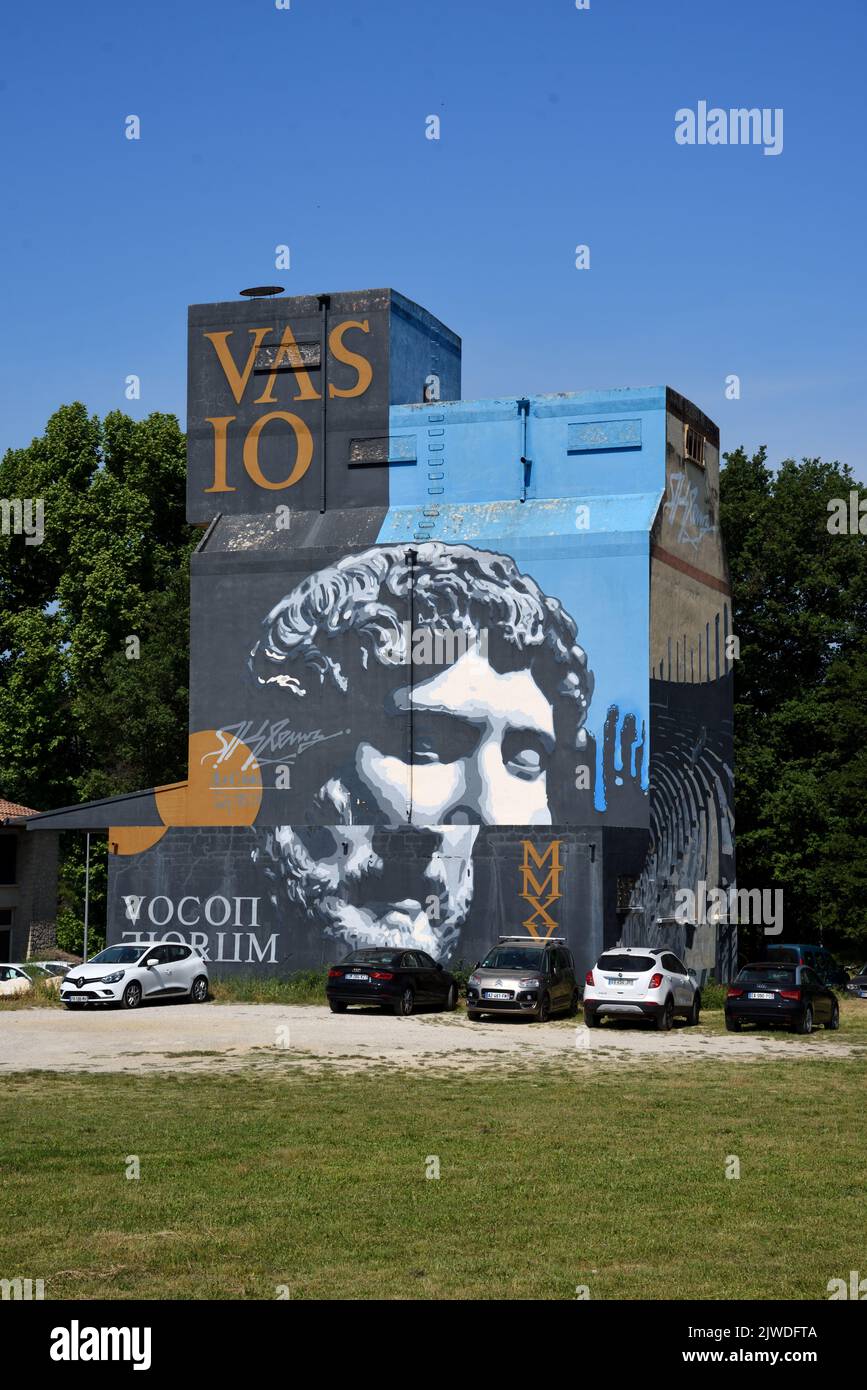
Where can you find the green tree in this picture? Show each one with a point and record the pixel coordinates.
(800, 611)
(78, 717)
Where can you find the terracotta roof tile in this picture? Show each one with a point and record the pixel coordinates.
(9, 808)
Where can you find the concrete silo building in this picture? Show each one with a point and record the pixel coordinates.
(457, 668)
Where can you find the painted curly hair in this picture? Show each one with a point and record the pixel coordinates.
(434, 585)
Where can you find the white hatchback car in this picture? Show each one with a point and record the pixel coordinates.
(14, 980)
(640, 982)
(128, 975)
(40, 974)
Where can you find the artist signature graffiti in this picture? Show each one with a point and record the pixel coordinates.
(682, 509)
(276, 737)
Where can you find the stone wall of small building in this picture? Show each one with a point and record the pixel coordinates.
(33, 896)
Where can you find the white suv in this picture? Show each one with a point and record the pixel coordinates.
(128, 975)
(640, 982)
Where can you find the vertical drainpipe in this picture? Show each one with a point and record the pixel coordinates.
(324, 305)
(524, 409)
(86, 897)
(412, 556)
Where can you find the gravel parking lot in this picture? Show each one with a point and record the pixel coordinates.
(194, 1038)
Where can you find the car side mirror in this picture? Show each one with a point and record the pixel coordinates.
(438, 965)
(153, 961)
(691, 974)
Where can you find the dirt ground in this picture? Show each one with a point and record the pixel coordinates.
(205, 1038)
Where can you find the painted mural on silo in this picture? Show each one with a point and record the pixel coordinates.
(421, 702)
(439, 727)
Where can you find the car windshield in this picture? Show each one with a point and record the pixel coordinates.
(766, 975)
(373, 958)
(619, 963)
(118, 955)
(513, 958)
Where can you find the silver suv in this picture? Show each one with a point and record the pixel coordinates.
(521, 975)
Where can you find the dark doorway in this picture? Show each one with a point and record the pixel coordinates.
(8, 858)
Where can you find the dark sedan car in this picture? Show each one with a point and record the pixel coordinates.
(790, 996)
(398, 981)
(858, 984)
(819, 958)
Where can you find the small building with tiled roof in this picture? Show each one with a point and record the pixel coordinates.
(11, 811)
(28, 885)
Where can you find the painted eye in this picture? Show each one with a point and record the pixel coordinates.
(441, 739)
(528, 761)
(524, 757)
(424, 750)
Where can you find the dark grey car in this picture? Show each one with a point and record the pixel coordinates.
(522, 975)
(858, 984)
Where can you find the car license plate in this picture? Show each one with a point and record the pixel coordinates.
(496, 994)
(621, 983)
(75, 996)
(762, 996)
(862, 994)
(356, 977)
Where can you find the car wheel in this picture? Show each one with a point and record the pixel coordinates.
(592, 1020)
(199, 991)
(337, 1006)
(573, 1004)
(666, 1018)
(543, 1013)
(805, 1022)
(403, 1005)
(131, 997)
(452, 999)
(733, 1025)
(473, 1015)
(834, 1021)
(695, 1012)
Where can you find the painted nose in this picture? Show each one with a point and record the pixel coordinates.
(483, 797)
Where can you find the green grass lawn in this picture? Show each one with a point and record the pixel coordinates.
(550, 1179)
(304, 987)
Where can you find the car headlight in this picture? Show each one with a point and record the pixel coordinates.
(112, 979)
(528, 984)
(474, 980)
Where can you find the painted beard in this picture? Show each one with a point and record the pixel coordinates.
(358, 895)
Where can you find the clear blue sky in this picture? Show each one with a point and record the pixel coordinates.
(262, 126)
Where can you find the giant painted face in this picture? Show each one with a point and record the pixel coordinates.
(479, 746)
(351, 884)
(438, 750)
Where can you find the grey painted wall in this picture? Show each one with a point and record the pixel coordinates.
(32, 898)
(235, 895)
